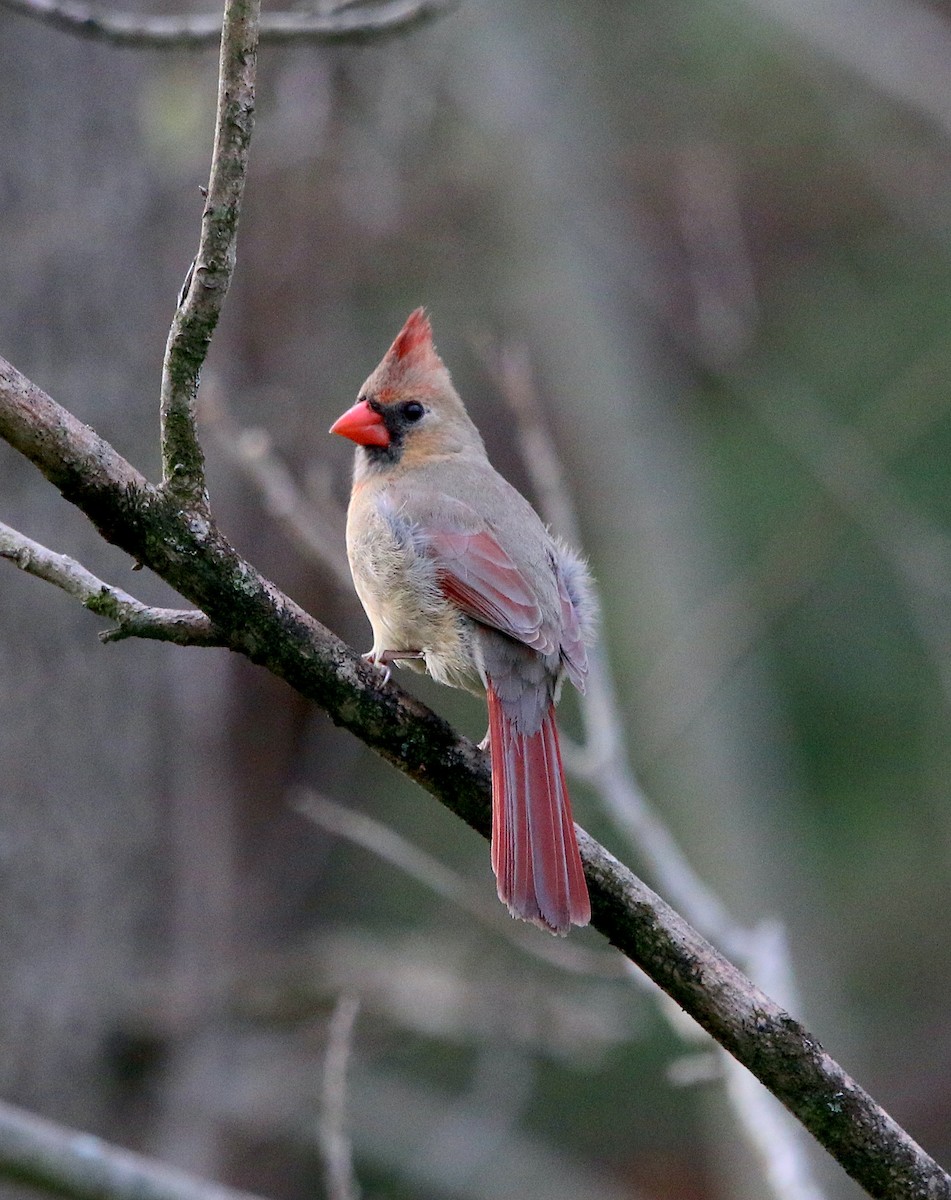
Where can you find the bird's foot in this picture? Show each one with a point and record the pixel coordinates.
(383, 659)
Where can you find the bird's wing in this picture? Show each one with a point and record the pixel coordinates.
(479, 576)
(475, 571)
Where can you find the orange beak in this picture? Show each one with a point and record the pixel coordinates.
(362, 425)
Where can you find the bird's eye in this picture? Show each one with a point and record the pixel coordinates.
(413, 410)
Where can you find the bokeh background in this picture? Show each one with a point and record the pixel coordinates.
(718, 234)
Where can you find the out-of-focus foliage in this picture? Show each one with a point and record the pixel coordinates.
(721, 232)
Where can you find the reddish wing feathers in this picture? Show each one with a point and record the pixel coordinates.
(478, 575)
(534, 850)
(522, 642)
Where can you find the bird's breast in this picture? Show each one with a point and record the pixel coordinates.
(399, 589)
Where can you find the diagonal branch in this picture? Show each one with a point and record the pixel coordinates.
(183, 463)
(185, 627)
(366, 23)
(188, 551)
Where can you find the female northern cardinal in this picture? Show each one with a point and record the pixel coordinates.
(455, 568)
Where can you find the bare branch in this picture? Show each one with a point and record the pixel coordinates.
(66, 1162)
(365, 23)
(187, 550)
(335, 1144)
(183, 463)
(185, 627)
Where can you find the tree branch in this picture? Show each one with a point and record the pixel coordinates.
(185, 627)
(187, 550)
(367, 23)
(68, 1163)
(183, 463)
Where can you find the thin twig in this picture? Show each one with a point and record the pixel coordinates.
(183, 463)
(366, 23)
(341, 1182)
(66, 1162)
(184, 627)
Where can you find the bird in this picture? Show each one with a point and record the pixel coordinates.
(459, 577)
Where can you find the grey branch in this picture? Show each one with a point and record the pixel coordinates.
(185, 627)
(66, 1162)
(365, 23)
(209, 277)
(187, 550)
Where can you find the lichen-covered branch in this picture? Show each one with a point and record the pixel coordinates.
(185, 627)
(65, 1162)
(364, 23)
(183, 464)
(188, 551)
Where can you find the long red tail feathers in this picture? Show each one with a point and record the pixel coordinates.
(534, 851)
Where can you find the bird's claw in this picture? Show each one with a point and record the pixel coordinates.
(382, 660)
(381, 664)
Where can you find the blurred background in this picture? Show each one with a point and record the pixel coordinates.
(714, 237)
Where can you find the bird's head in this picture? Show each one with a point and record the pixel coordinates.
(408, 409)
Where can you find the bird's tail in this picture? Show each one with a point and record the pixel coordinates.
(534, 851)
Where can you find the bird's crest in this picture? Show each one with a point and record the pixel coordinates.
(413, 347)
